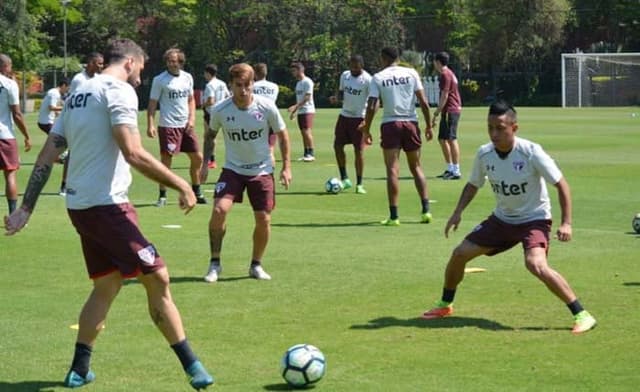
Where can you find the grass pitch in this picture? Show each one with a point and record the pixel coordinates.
(346, 285)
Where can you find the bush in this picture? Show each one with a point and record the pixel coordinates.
(286, 97)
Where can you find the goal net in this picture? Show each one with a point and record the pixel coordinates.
(600, 79)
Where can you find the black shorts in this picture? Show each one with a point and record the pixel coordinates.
(448, 129)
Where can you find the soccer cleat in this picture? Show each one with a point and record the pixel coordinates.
(452, 176)
(426, 217)
(201, 199)
(74, 380)
(444, 174)
(212, 165)
(162, 201)
(390, 222)
(213, 273)
(257, 272)
(308, 158)
(346, 184)
(442, 309)
(584, 322)
(63, 192)
(360, 189)
(199, 378)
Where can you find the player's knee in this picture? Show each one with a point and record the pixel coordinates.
(536, 266)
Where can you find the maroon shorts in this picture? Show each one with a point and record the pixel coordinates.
(9, 158)
(260, 189)
(305, 121)
(500, 236)
(175, 140)
(346, 132)
(400, 134)
(46, 128)
(112, 241)
(272, 138)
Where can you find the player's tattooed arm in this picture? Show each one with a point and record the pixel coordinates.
(54, 146)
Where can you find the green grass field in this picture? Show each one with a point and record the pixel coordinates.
(348, 286)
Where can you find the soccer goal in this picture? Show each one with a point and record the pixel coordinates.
(600, 79)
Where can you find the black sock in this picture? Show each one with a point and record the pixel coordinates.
(575, 307)
(12, 205)
(306, 152)
(448, 294)
(63, 185)
(425, 205)
(184, 353)
(311, 151)
(393, 212)
(163, 193)
(255, 263)
(359, 180)
(214, 260)
(343, 172)
(196, 189)
(212, 158)
(81, 358)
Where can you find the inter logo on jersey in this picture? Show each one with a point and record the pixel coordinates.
(176, 94)
(509, 189)
(242, 134)
(352, 91)
(396, 81)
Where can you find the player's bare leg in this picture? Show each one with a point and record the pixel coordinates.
(166, 160)
(413, 160)
(536, 262)
(446, 150)
(261, 234)
(341, 161)
(455, 151)
(11, 189)
(391, 161)
(196, 162)
(208, 148)
(217, 230)
(307, 142)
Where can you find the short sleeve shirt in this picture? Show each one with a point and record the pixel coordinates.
(396, 87)
(304, 87)
(217, 89)
(172, 93)
(52, 98)
(246, 134)
(448, 81)
(355, 91)
(518, 181)
(77, 80)
(266, 89)
(98, 173)
(9, 96)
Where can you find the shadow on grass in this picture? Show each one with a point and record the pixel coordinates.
(632, 284)
(286, 387)
(287, 193)
(352, 224)
(633, 233)
(446, 322)
(30, 386)
(190, 279)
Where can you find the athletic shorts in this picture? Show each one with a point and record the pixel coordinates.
(111, 241)
(9, 158)
(501, 236)
(260, 189)
(305, 121)
(346, 132)
(400, 134)
(46, 128)
(175, 140)
(272, 138)
(448, 129)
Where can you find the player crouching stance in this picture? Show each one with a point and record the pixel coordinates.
(100, 119)
(245, 119)
(517, 170)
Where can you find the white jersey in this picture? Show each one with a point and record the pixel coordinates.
(172, 93)
(217, 89)
(9, 96)
(355, 91)
(98, 173)
(304, 87)
(396, 86)
(246, 134)
(266, 89)
(77, 80)
(518, 181)
(52, 98)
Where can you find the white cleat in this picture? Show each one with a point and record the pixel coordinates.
(308, 158)
(212, 274)
(257, 272)
(162, 201)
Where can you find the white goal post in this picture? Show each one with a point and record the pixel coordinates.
(600, 79)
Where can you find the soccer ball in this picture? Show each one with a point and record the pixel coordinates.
(636, 223)
(303, 365)
(333, 185)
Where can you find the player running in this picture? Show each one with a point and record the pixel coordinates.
(269, 90)
(517, 170)
(305, 110)
(354, 91)
(100, 124)
(245, 119)
(398, 87)
(173, 90)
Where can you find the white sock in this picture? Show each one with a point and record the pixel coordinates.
(455, 168)
(450, 167)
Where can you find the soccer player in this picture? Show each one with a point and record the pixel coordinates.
(51, 105)
(305, 109)
(173, 90)
(100, 124)
(269, 90)
(517, 170)
(354, 91)
(398, 87)
(245, 119)
(450, 105)
(95, 63)
(9, 114)
(215, 91)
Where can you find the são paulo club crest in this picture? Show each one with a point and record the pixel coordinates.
(518, 166)
(258, 116)
(147, 255)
